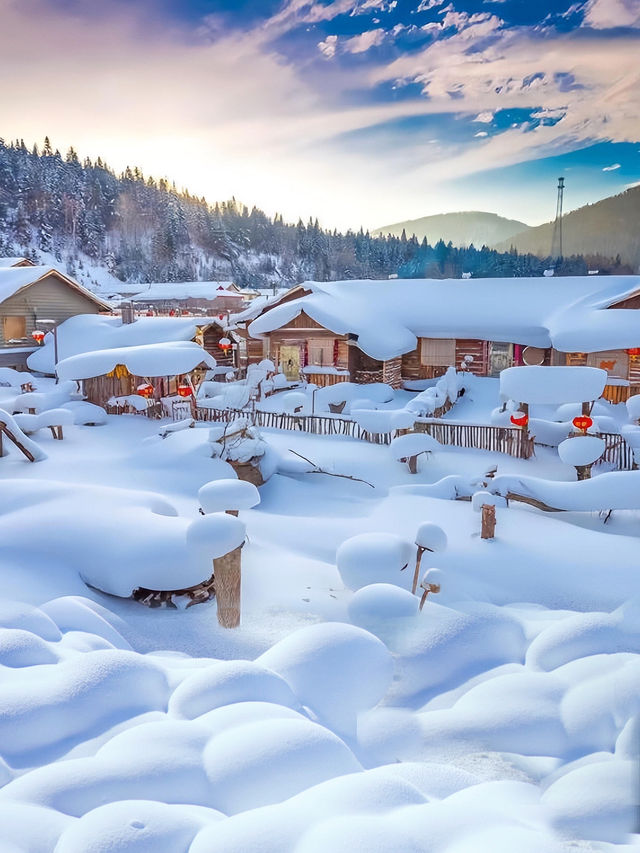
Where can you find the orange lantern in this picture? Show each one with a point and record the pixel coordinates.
(184, 391)
(520, 419)
(582, 422)
(145, 390)
(37, 336)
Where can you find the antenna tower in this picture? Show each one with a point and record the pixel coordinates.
(556, 242)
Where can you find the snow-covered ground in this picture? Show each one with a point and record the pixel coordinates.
(504, 716)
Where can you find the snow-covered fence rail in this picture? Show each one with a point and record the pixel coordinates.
(314, 424)
(511, 440)
(617, 452)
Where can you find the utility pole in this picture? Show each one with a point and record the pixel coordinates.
(556, 242)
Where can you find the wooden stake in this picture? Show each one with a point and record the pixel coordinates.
(488, 521)
(228, 577)
(416, 573)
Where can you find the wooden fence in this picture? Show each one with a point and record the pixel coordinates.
(617, 452)
(510, 440)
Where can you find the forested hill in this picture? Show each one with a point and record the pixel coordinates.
(462, 229)
(88, 220)
(608, 227)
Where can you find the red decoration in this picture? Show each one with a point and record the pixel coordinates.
(582, 422)
(145, 390)
(37, 336)
(520, 419)
(225, 345)
(184, 391)
(634, 351)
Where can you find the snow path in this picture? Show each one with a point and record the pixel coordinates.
(504, 716)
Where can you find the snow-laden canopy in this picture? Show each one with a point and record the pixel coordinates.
(90, 332)
(14, 279)
(172, 291)
(389, 316)
(166, 359)
(554, 385)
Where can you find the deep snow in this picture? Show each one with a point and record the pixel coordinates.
(505, 716)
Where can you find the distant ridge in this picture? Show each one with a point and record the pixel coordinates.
(609, 228)
(461, 229)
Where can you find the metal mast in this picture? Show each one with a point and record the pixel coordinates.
(556, 242)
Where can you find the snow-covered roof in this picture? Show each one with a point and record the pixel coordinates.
(389, 316)
(89, 332)
(12, 262)
(14, 279)
(172, 291)
(164, 359)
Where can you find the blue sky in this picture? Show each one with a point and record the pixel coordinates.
(357, 111)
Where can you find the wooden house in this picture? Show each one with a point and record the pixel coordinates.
(89, 333)
(190, 297)
(407, 330)
(15, 262)
(120, 377)
(29, 294)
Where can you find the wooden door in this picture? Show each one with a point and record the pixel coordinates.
(290, 361)
(500, 357)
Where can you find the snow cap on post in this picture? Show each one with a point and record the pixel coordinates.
(215, 535)
(228, 494)
(554, 385)
(413, 444)
(581, 449)
(431, 537)
(432, 578)
(374, 558)
(481, 499)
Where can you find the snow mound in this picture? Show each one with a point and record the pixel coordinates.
(330, 659)
(222, 495)
(229, 682)
(265, 762)
(555, 385)
(86, 414)
(581, 449)
(375, 558)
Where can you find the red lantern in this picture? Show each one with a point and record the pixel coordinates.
(582, 422)
(37, 336)
(225, 345)
(184, 391)
(634, 351)
(520, 419)
(145, 390)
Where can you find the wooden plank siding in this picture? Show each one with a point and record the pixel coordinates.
(49, 299)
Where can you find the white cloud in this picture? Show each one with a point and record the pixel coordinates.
(485, 117)
(481, 133)
(611, 168)
(606, 14)
(328, 46)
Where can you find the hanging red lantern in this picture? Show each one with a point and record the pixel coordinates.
(634, 351)
(184, 391)
(145, 390)
(225, 345)
(520, 419)
(37, 336)
(582, 422)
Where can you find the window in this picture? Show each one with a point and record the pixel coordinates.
(14, 328)
(438, 352)
(321, 351)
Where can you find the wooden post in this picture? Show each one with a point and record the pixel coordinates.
(228, 577)
(488, 521)
(584, 472)
(586, 408)
(412, 462)
(416, 573)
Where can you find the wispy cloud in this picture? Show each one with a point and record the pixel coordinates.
(611, 168)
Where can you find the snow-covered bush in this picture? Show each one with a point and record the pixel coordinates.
(408, 447)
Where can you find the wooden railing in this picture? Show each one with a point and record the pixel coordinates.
(510, 440)
(617, 452)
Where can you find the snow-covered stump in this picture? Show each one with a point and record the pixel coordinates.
(228, 496)
(223, 537)
(582, 451)
(407, 448)
(429, 537)
(431, 583)
(373, 558)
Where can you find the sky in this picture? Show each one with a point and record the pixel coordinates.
(358, 112)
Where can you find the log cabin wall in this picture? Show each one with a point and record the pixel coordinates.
(480, 352)
(413, 366)
(211, 337)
